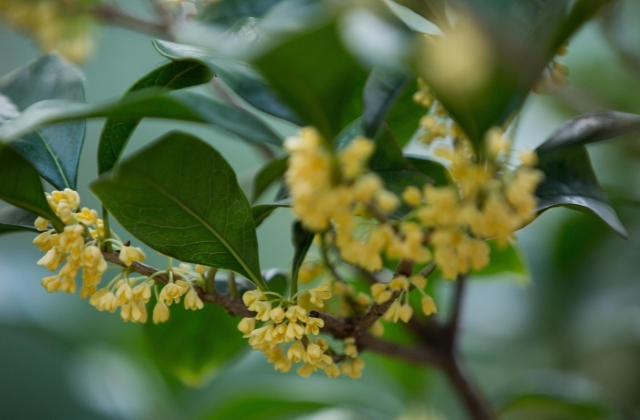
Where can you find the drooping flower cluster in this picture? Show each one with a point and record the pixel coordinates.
(286, 322)
(401, 309)
(64, 26)
(79, 246)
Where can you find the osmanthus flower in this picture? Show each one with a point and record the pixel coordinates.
(78, 248)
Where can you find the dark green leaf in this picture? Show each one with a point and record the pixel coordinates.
(14, 218)
(549, 407)
(262, 211)
(183, 106)
(20, 185)
(54, 150)
(228, 12)
(241, 77)
(404, 118)
(302, 240)
(180, 197)
(192, 345)
(267, 175)
(590, 128)
(382, 90)
(571, 182)
(323, 87)
(434, 170)
(117, 131)
(397, 171)
(262, 408)
(569, 178)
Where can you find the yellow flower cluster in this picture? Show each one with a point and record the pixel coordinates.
(399, 287)
(79, 247)
(62, 25)
(285, 321)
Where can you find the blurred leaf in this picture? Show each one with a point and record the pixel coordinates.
(325, 87)
(14, 218)
(267, 175)
(507, 260)
(55, 150)
(302, 240)
(382, 90)
(262, 408)
(228, 12)
(549, 407)
(241, 77)
(21, 186)
(261, 211)
(404, 117)
(434, 170)
(182, 106)
(577, 239)
(8, 109)
(432, 10)
(410, 379)
(277, 280)
(192, 345)
(163, 197)
(117, 131)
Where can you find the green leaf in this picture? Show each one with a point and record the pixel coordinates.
(397, 171)
(54, 150)
(569, 177)
(434, 170)
(241, 77)
(262, 211)
(16, 219)
(20, 185)
(117, 131)
(192, 345)
(381, 92)
(182, 106)
(323, 87)
(267, 175)
(277, 280)
(302, 240)
(228, 12)
(591, 128)
(505, 261)
(180, 197)
(404, 118)
(549, 407)
(262, 408)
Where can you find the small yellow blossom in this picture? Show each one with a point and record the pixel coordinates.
(160, 313)
(129, 254)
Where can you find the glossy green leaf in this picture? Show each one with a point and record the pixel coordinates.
(302, 240)
(277, 280)
(507, 260)
(382, 90)
(181, 197)
(262, 408)
(404, 118)
(590, 128)
(325, 87)
(182, 106)
(192, 345)
(16, 219)
(261, 211)
(21, 186)
(117, 131)
(434, 170)
(53, 150)
(267, 175)
(228, 12)
(241, 77)
(569, 177)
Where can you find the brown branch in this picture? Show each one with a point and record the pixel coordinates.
(454, 322)
(474, 401)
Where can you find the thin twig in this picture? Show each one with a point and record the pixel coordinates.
(454, 322)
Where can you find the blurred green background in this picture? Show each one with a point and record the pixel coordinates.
(567, 343)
